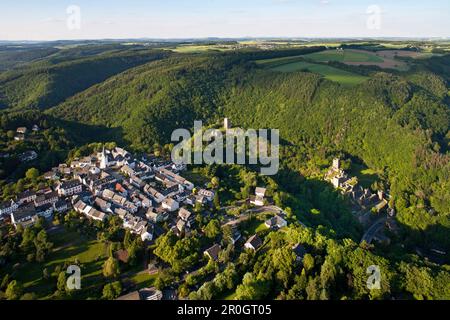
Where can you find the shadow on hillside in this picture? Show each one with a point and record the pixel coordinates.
(426, 243)
(82, 133)
(317, 203)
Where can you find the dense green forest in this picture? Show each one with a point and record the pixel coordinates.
(15, 57)
(48, 82)
(51, 143)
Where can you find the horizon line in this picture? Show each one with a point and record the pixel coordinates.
(238, 38)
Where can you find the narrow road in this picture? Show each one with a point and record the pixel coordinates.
(246, 214)
(370, 233)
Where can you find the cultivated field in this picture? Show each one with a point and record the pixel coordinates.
(392, 54)
(334, 74)
(344, 56)
(382, 59)
(201, 48)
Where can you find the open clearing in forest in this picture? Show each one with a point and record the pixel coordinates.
(334, 74)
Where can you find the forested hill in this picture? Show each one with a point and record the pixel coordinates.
(387, 122)
(396, 123)
(150, 101)
(47, 82)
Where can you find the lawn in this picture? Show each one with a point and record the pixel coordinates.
(334, 74)
(68, 247)
(143, 279)
(366, 176)
(256, 224)
(195, 177)
(253, 226)
(344, 56)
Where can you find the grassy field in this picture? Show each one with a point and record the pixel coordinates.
(254, 226)
(344, 56)
(68, 247)
(296, 63)
(143, 279)
(386, 59)
(199, 48)
(334, 74)
(195, 177)
(279, 61)
(366, 177)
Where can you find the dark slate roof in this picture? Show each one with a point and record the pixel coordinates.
(24, 212)
(70, 184)
(213, 252)
(255, 241)
(299, 250)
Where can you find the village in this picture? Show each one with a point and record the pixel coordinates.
(144, 191)
(141, 192)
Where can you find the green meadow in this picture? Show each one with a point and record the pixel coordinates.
(334, 74)
(344, 56)
(71, 247)
(199, 48)
(68, 247)
(366, 176)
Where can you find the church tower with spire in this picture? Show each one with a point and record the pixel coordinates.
(104, 159)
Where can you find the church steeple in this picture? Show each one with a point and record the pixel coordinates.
(104, 159)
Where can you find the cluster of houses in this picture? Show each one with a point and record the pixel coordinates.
(21, 132)
(142, 192)
(253, 243)
(21, 135)
(30, 205)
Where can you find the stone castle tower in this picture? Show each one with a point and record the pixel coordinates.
(336, 164)
(226, 124)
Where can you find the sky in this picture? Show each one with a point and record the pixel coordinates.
(114, 19)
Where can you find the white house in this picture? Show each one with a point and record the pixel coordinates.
(154, 194)
(156, 215)
(45, 210)
(25, 216)
(208, 194)
(26, 197)
(170, 204)
(61, 206)
(257, 201)
(276, 222)
(260, 192)
(94, 214)
(147, 234)
(69, 188)
(22, 130)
